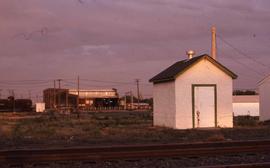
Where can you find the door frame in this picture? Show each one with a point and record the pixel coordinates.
(193, 100)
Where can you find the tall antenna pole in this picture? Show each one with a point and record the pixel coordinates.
(214, 44)
(138, 92)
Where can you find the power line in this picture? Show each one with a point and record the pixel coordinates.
(87, 84)
(242, 53)
(45, 81)
(25, 85)
(116, 82)
(30, 82)
(246, 66)
(241, 63)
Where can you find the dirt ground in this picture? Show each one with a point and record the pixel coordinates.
(34, 130)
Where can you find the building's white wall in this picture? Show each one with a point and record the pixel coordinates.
(264, 99)
(203, 72)
(164, 104)
(246, 108)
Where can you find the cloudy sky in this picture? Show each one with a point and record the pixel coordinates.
(110, 43)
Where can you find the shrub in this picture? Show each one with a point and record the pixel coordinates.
(246, 121)
(216, 137)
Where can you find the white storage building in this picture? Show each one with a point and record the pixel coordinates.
(246, 105)
(194, 93)
(264, 98)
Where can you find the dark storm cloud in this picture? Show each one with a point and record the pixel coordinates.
(121, 40)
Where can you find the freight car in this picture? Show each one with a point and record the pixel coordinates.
(5, 105)
(23, 105)
(18, 105)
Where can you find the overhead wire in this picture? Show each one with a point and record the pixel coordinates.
(100, 81)
(87, 84)
(243, 54)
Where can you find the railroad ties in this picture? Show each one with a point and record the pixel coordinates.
(133, 151)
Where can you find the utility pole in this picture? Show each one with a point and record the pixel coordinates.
(131, 99)
(29, 94)
(213, 46)
(54, 94)
(138, 92)
(0, 94)
(59, 83)
(11, 92)
(78, 98)
(125, 105)
(59, 92)
(66, 99)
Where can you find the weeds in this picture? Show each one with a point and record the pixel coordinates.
(108, 128)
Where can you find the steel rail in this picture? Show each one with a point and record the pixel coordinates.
(247, 165)
(134, 151)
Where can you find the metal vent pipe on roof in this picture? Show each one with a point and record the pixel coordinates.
(190, 54)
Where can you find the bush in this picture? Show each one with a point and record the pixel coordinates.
(245, 121)
(216, 137)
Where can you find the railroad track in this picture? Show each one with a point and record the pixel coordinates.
(135, 151)
(251, 165)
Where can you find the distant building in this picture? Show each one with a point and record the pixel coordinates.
(194, 93)
(88, 99)
(264, 98)
(97, 98)
(131, 103)
(246, 105)
(40, 107)
(140, 106)
(58, 98)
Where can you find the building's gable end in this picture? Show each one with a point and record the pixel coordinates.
(221, 67)
(181, 67)
(213, 62)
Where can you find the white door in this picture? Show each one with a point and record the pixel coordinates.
(204, 106)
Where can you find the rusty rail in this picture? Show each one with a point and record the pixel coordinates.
(249, 165)
(134, 151)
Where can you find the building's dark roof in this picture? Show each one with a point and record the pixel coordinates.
(170, 73)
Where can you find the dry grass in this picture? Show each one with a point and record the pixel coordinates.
(105, 129)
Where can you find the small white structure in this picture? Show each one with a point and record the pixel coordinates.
(246, 105)
(264, 98)
(40, 107)
(194, 93)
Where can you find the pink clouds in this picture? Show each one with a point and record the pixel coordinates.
(126, 38)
